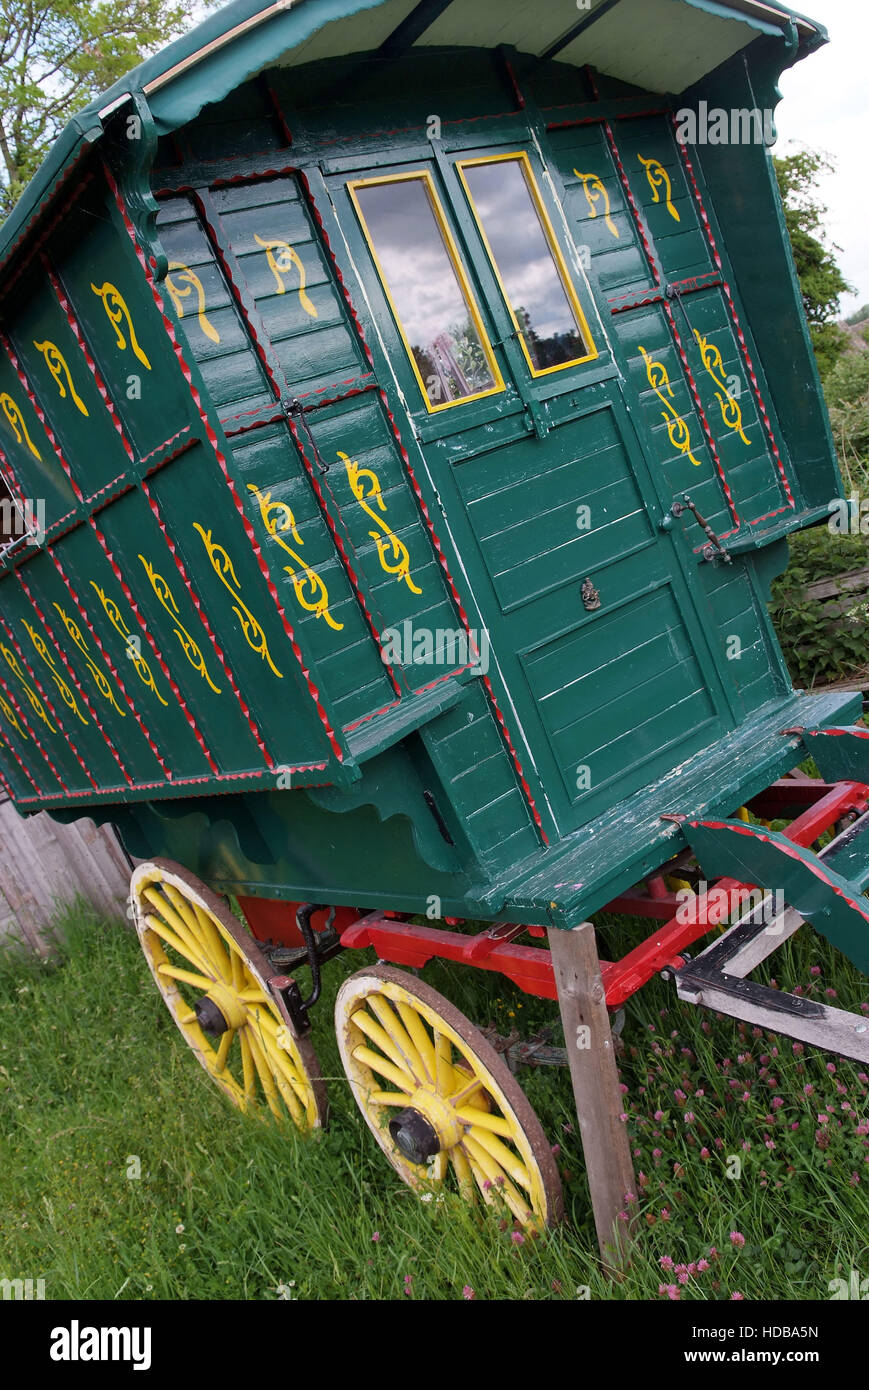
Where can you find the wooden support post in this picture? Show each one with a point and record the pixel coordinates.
(589, 1042)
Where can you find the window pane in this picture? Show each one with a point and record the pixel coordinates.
(549, 321)
(431, 303)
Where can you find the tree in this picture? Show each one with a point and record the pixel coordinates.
(821, 281)
(55, 56)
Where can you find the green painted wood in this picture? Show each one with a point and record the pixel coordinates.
(418, 524)
(850, 859)
(631, 840)
(833, 904)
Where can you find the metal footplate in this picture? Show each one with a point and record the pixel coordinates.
(717, 978)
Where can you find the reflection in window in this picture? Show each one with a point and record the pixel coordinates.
(528, 262)
(427, 288)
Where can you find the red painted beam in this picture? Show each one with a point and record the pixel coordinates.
(530, 967)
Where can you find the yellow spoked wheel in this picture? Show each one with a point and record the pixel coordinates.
(214, 979)
(439, 1100)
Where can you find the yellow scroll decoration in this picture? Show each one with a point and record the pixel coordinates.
(115, 617)
(100, 679)
(388, 544)
(118, 314)
(56, 364)
(181, 282)
(282, 259)
(277, 518)
(65, 692)
(731, 413)
(16, 421)
(223, 567)
(680, 435)
(33, 699)
(595, 192)
(188, 645)
(13, 718)
(658, 179)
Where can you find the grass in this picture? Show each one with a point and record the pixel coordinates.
(94, 1076)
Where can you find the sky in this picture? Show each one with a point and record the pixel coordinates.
(826, 107)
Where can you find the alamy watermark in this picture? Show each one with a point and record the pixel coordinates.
(77, 1343)
(26, 518)
(849, 516)
(452, 649)
(711, 905)
(716, 126)
(22, 1290)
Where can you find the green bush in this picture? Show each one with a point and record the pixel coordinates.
(819, 648)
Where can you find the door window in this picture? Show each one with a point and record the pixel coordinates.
(526, 258)
(427, 288)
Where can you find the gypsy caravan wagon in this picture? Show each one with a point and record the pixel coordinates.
(403, 417)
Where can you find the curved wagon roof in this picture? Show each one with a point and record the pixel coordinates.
(662, 45)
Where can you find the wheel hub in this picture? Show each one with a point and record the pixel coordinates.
(426, 1127)
(209, 1017)
(414, 1136)
(219, 1010)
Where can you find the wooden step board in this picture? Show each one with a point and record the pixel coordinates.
(718, 978)
(568, 882)
(751, 854)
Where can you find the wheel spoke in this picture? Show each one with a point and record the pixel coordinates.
(501, 1155)
(282, 1059)
(419, 1037)
(445, 1072)
(166, 934)
(383, 1068)
(400, 1037)
(223, 1050)
(186, 976)
(293, 1095)
(460, 1097)
(254, 995)
(501, 1184)
(367, 1025)
(237, 970)
(247, 1066)
(387, 1098)
(218, 949)
(483, 1183)
(471, 1115)
(459, 1160)
(266, 1079)
(284, 1065)
(179, 926)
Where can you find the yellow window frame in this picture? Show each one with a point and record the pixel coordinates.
(520, 157)
(461, 275)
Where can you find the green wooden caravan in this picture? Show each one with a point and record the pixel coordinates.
(404, 406)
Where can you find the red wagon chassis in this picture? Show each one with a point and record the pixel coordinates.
(403, 942)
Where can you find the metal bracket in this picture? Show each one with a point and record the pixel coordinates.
(714, 550)
(319, 947)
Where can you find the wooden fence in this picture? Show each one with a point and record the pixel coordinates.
(45, 865)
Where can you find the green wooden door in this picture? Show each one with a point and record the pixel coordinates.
(595, 620)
